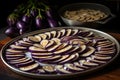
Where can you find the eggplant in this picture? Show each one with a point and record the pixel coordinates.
(48, 34)
(25, 63)
(69, 31)
(60, 69)
(21, 25)
(88, 52)
(48, 68)
(53, 48)
(53, 34)
(12, 32)
(27, 17)
(12, 19)
(36, 49)
(102, 57)
(63, 50)
(14, 51)
(71, 58)
(42, 54)
(90, 63)
(71, 67)
(38, 21)
(43, 36)
(18, 61)
(52, 22)
(56, 40)
(29, 67)
(34, 39)
(50, 44)
(61, 59)
(44, 43)
(34, 11)
(63, 32)
(75, 32)
(16, 47)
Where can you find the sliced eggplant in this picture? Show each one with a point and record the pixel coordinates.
(53, 33)
(75, 31)
(50, 44)
(38, 46)
(60, 69)
(41, 71)
(61, 59)
(33, 39)
(77, 42)
(29, 67)
(77, 64)
(38, 37)
(43, 36)
(59, 34)
(16, 47)
(102, 57)
(88, 63)
(24, 43)
(49, 35)
(88, 52)
(63, 45)
(49, 68)
(53, 48)
(14, 51)
(42, 54)
(22, 60)
(36, 49)
(64, 50)
(44, 43)
(14, 55)
(70, 58)
(63, 32)
(68, 32)
(57, 41)
(82, 48)
(106, 52)
(71, 67)
(52, 58)
(25, 63)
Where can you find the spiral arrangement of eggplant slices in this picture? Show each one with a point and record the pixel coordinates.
(60, 52)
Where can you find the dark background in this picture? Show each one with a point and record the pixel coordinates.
(7, 6)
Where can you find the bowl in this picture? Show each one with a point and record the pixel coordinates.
(85, 9)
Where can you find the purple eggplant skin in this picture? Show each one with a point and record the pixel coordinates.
(21, 25)
(38, 22)
(49, 13)
(12, 19)
(12, 32)
(34, 12)
(26, 18)
(52, 22)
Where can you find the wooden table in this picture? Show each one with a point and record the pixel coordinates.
(110, 72)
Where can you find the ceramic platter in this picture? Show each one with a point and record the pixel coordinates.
(60, 52)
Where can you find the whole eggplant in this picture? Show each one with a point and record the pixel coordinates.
(27, 17)
(12, 18)
(12, 32)
(34, 11)
(52, 22)
(39, 20)
(21, 25)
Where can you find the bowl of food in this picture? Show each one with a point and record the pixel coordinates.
(85, 13)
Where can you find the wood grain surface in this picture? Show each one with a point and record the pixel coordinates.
(110, 72)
